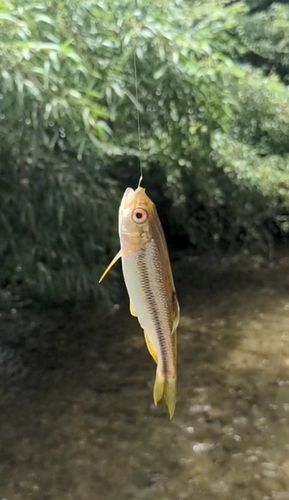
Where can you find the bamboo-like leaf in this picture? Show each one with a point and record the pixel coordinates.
(214, 132)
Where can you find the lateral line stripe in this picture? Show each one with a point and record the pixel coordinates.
(151, 299)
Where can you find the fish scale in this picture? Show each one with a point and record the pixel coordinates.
(155, 309)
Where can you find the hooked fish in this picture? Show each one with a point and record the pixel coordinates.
(150, 286)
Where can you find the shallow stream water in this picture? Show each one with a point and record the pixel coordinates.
(76, 415)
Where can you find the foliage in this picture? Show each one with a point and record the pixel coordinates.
(51, 239)
(265, 34)
(214, 129)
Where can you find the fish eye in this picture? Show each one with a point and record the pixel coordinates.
(139, 215)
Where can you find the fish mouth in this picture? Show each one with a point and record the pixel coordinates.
(130, 191)
(127, 194)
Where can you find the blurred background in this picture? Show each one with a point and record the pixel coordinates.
(76, 413)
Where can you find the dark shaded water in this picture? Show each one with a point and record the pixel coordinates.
(76, 415)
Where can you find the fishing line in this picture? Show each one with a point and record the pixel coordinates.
(138, 118)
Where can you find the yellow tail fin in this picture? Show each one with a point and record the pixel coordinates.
(167, 389)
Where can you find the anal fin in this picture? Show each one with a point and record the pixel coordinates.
(151, 348)
(132, 310)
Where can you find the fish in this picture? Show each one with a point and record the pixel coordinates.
(149, 282)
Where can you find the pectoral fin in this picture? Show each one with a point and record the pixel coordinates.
(118, 255)
(151, 348)
(132, 310)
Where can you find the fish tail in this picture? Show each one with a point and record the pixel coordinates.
(165, 388)
(171, 396)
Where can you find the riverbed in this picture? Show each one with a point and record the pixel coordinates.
(77, 421)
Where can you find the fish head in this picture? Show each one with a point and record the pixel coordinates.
(136, 213)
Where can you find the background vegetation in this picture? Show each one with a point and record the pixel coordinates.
(214, 110)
